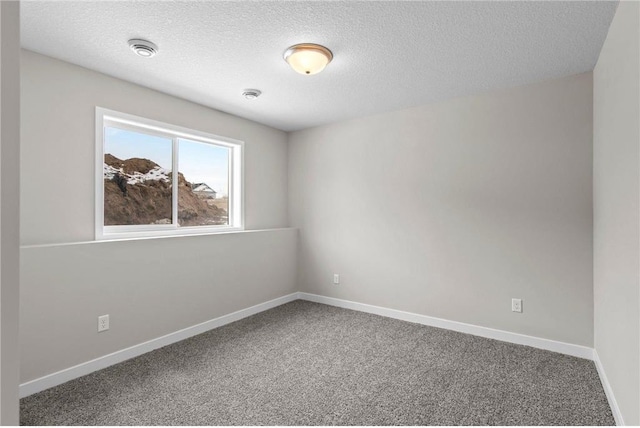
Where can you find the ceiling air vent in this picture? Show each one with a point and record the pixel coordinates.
(144, 48)
(251, 94)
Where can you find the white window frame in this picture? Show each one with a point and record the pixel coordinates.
(105, 117)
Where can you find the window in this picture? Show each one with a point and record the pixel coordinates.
(155, 179)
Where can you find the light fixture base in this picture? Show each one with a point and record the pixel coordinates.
(308, 58)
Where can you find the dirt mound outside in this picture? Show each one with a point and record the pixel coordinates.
(149, 202)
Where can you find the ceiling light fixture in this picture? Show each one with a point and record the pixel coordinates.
(251, 94)
(143, 48)
(308, 58)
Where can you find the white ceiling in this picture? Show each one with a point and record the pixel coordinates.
(387, 55)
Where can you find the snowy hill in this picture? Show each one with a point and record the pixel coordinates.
(139, 191)
(157, 173)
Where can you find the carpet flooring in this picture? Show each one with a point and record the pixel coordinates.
(310, 364)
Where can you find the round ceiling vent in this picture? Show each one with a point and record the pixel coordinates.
(251, 94)
(144, 48)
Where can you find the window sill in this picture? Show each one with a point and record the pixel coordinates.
(164, 233)
(143, 238)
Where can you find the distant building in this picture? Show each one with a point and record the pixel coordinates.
(203, 190)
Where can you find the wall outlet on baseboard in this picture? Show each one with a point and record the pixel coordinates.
(103, 323)
(516, 305)
(336, 278)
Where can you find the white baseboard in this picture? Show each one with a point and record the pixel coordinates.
(74, 372)
(79, 370)
(607, 390)
(505, 336)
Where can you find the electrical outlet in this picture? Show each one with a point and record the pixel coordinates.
(336, 279)
(103, 323)
(516, 305)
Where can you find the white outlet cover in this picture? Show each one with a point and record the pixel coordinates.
(336, 278)
(103, 323)
(516, 305)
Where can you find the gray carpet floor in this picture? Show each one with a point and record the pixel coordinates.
(309, 364)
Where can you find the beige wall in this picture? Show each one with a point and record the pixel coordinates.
(9, 212)
(616, 208)
(58, 146)
(452, 209)
(149, 287)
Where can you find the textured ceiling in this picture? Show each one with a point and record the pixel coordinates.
(388, 55)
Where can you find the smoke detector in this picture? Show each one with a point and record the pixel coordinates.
(143, 48)
(251, 94)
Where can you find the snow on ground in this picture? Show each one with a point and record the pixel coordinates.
(156, 174)
(110, 172)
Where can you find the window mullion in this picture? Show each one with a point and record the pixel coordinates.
(174, 184)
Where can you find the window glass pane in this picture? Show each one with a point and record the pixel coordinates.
(203, 188)
(137, 178)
